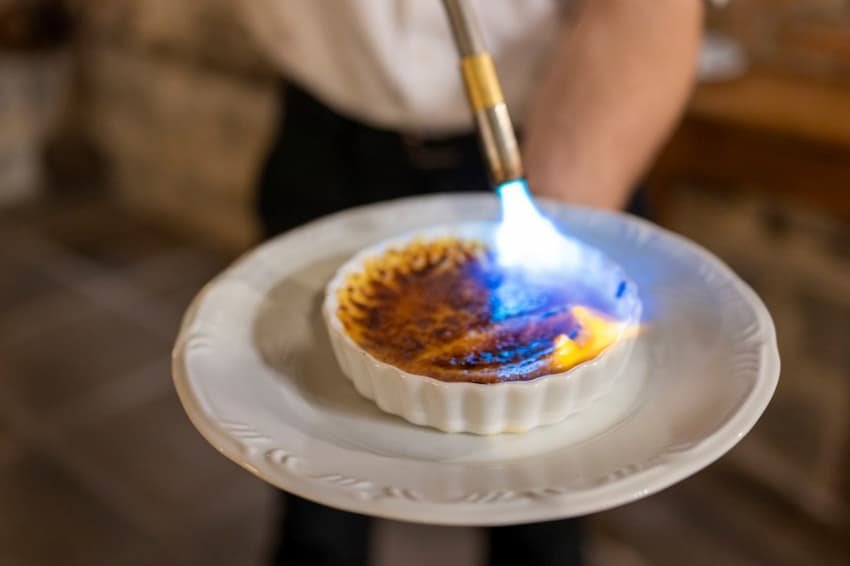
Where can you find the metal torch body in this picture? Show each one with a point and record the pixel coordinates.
(495, 131)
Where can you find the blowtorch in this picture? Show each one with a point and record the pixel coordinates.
(495, 132)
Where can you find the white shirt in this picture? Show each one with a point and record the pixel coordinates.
(393, 63)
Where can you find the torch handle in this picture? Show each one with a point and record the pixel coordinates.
(485, 97)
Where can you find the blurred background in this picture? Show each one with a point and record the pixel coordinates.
(131, 133)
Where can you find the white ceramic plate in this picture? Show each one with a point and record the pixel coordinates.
(255, 373)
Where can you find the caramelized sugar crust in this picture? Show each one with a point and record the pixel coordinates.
(432, 308)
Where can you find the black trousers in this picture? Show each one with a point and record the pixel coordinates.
(322, 162)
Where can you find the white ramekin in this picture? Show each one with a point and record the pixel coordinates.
(490, 408)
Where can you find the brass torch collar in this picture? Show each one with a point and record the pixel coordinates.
(482, 84)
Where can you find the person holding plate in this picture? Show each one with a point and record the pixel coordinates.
(374, 109)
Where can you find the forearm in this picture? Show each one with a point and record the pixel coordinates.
(615, 86)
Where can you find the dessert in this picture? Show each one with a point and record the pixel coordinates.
(433, 308)
(431, 326)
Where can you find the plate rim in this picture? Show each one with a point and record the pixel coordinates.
(672, 466)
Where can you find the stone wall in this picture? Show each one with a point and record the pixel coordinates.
(182, 105)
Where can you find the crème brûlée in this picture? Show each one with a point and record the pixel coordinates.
(443, 308)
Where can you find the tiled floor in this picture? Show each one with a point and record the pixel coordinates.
(98, 464)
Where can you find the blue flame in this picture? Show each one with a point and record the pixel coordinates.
(536, 261)
(528, 241)
(539, 266)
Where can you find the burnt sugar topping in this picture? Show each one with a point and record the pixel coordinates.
(444, 308)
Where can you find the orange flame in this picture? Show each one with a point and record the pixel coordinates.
(597, 333)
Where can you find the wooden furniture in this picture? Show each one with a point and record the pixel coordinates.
(769, 131)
